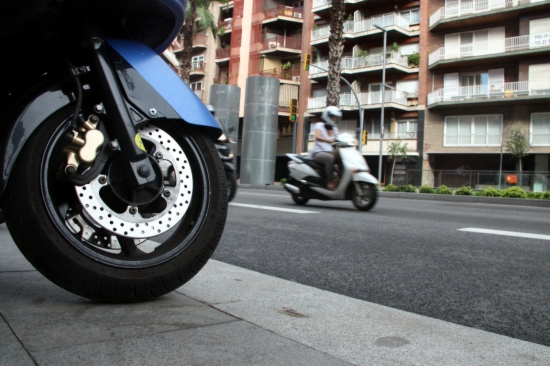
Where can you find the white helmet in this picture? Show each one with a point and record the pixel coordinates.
(332, 115)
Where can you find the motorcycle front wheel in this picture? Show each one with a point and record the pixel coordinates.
(367, 199)
(90, 241)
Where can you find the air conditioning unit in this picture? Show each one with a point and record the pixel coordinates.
(296, 78)
(273, 44)
(412, 134)
(298, 15)
(311, 137)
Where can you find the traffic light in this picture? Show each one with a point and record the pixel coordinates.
(307, 61)
(365, 137)
(293, 116)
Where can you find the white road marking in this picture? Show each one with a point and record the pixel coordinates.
(264, 194)
(272, 208)
(506, 233)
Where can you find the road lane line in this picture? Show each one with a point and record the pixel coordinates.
(506, 233)
(264, 194)
(272, 208)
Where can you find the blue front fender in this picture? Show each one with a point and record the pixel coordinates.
(165, 82)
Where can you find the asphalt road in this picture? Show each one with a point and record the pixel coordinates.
(405, 254)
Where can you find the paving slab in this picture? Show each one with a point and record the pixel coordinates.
(11, 258)
(235, 343)
(356, 331)
(12, 352)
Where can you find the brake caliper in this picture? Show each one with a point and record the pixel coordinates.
(84, 145)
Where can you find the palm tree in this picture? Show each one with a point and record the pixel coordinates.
(396, 150)
(195, 8)
(336, 48)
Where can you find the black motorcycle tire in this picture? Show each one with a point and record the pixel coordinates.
(359, 202)
(231, 184)
(299, 200)
(52, 252)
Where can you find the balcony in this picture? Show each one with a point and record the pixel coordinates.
(198, 69)
(223, 54)
(356, 65)
(226, 24)
(222, 80)
(284, 12)
(373, 145)
(320, 5)
(540, 139)
(367, 27)
(288, 75)
(281, 45)
(509, 48)
(519, 92)
(476, 12)
(371, 100)
(200, 41)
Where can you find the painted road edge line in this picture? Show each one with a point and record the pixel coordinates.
(272, 208)
(506, 233)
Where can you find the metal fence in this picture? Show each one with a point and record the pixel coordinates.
(475, 179)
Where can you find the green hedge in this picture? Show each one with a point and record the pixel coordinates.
(514, 192)
(464, 191)
(410, 188)
(426, 189)
(391, 188)
(443, 189)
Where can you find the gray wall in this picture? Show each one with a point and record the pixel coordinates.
(259, 143)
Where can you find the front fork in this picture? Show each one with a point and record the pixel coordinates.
(140, 171)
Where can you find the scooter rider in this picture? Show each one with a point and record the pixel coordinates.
(325, 135)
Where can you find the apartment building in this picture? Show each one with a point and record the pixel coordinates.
(362, 67)
(487, 71)
(459, 76)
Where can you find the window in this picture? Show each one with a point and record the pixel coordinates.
(413, 15)
(540, 129)
(484, 130)
(373, 128)
(196, 62)
(406, 129)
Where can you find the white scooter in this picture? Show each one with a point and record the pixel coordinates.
(308, 179)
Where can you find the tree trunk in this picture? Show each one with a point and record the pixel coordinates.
(336, 48)
(392, 170)
(188, 33)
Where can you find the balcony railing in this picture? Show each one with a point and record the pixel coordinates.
(497, 90)
(287, 11)
(348, 99)
(199, 93)
(200, 39)
(471, 139)
(319, 3)
(282, 42)
(198, 66)
(365, 25)
(223, 53)
(354, 63)
(513, 44)
(222, 80)
(289, 74)
(320, 33)
(469, 7)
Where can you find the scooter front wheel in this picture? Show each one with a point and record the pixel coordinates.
(109, 243)
(365, 200)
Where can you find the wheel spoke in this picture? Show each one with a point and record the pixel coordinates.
(128, 246)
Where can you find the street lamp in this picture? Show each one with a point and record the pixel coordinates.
(382, 102)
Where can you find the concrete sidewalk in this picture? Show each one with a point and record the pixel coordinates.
(230, 316)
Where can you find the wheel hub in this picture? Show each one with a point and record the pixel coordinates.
(144, 213)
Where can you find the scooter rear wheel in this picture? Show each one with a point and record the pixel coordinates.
(299, 200)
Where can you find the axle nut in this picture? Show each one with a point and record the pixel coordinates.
(167, 193)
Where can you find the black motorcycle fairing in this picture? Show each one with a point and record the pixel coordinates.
(229, 166)
(20, 125)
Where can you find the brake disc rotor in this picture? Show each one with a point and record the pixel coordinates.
(131, 223)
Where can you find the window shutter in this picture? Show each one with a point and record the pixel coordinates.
(452, 45)
(496, 80)
(409, 49)
(539, 28)
(450, 85)
(497, 40)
